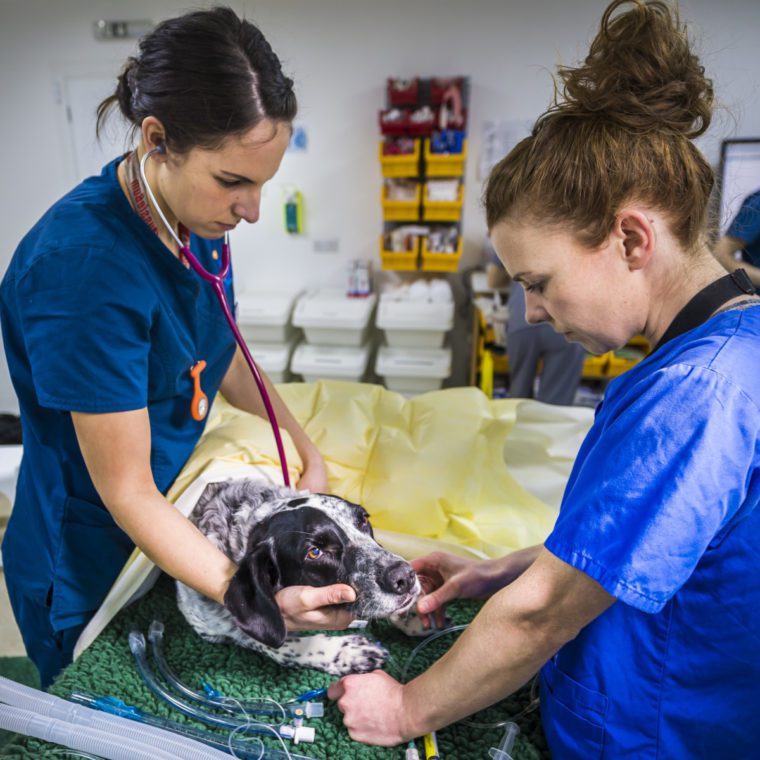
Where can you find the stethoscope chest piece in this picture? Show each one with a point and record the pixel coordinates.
(199, 404)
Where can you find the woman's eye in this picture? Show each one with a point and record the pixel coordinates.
(314, 553)
(535, 287)
(228, 182)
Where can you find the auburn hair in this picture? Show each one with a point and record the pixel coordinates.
(620, 130)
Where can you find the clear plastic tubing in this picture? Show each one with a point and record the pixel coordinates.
(242, 749)
(49, 706)
(137, 647)
(84, 738)
(241, 707)
(504, 750)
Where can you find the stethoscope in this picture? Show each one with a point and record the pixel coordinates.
(199, 406)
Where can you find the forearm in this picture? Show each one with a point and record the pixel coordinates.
(494, 657)
(149, 519)
(240, 389)
(516, 632)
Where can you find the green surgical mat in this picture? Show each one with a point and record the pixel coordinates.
(107, 669)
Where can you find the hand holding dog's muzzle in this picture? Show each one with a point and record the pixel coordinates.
(309, 608)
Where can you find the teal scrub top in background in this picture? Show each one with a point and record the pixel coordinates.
(98, 316)
(661, 509)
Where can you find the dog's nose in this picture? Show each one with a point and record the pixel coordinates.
(398, 578)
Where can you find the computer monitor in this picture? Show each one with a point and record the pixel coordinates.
(739, 175)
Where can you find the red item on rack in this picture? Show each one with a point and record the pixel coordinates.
(402, 92)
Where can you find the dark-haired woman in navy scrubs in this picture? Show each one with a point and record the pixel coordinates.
(103, 322)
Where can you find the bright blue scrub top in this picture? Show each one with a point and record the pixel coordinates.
(746, 227)
(662, 510)
(97, 316)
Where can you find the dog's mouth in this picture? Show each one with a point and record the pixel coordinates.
(408, 601)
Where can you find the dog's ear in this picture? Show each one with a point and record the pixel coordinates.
(250, 596)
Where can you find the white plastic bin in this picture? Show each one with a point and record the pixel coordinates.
(329, 317)
(330, 362)
(414, 323)
(273, 358)
(266, 316)
(410, 371)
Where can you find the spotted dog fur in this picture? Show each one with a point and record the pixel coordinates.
(279, 537)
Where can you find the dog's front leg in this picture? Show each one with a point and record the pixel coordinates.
(337, 655)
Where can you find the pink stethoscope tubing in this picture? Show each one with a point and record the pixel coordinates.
(217, 283)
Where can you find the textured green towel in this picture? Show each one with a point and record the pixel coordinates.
(107, 668)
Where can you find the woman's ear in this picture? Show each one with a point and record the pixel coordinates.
(636, 232)
(153, 136)
(250, 596)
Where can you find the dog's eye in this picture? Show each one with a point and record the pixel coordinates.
(314, 553)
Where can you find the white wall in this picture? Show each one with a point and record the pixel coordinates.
(339, 52)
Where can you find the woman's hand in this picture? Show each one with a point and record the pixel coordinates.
(310, 608)
(445, 577)
(373, 708)
(314, 476)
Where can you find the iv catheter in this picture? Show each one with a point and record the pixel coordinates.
(114, 706)
(137, 646)
(48, 707)
(297, 708)
(217, 283)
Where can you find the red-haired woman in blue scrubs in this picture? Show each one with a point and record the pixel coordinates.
(642, 608)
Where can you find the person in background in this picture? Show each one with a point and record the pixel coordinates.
(532, 345)
(103, 322)
(743, 235)
(641, 610)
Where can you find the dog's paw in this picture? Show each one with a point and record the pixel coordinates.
(357, 654)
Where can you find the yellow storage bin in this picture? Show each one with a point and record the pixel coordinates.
(595, 367)
(406, 165)
(445, 164)
(500, 364)
(401, 211)
(622, 360)
(639, 341)
(443, 211)
(403, 261)
(433, 261)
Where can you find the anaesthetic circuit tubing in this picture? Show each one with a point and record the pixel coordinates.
(78, 737)
(44, 705)
(217, 701)
(240, 749)
(137, 647)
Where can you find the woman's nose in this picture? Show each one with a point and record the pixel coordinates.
(535, 313)
(248, 208)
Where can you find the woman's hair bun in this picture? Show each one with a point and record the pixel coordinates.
(640, 73)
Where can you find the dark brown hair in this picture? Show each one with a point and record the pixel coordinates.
(619, 131)
(205, 75)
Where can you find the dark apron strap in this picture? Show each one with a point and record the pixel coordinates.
(706, 302)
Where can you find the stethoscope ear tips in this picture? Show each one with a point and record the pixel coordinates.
(161, 149)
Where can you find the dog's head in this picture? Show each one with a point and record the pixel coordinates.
(315, 540)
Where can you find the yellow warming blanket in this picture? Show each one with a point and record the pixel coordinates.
(448, 470)
(431, 468)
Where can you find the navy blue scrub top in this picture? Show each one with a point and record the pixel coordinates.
(98, 316)
(662, 510)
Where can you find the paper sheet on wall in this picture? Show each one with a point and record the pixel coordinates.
(499, 137)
